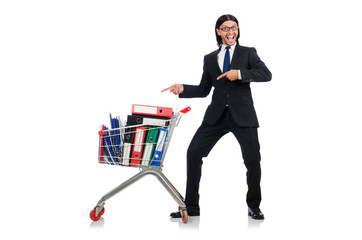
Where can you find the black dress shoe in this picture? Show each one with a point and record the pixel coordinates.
(178, 214)
(255, 213)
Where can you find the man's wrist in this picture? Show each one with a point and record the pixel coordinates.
(239, 75)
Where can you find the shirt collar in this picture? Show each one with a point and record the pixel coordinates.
(232, 47)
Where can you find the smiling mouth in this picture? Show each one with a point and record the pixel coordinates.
(230, 38)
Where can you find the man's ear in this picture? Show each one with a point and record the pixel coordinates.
(218, 31)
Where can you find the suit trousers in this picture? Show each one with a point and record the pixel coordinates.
(205, 139)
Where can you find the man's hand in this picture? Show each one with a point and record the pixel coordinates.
(175, 89)
(232, 75)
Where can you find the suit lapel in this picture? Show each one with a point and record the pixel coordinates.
(236, 56)
(215, 64)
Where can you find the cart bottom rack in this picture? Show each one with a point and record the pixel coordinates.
(98, 210)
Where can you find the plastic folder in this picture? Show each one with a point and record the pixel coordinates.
(152, 110)
(120, 138)
(162, 135)
(150, 145)
(108, 144)
(115, 137)
(138, 145)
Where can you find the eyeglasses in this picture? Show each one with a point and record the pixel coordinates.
(226, 29)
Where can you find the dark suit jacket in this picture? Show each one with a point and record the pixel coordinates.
(236, 94)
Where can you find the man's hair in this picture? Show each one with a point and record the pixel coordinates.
(220, 21)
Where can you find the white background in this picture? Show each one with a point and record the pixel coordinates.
(64, 65)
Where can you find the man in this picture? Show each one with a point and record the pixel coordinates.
(230, 70)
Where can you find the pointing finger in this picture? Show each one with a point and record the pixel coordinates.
(164, 90)
(221, 76)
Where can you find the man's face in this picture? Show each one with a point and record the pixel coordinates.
(227, 34)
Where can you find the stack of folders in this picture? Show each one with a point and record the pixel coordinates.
(145, 137)
(138, 142)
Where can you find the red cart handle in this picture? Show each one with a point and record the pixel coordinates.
(186, 110)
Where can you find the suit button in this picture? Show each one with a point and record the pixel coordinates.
(227, 95)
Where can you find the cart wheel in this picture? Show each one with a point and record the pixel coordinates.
(93, 215)
(185, 216)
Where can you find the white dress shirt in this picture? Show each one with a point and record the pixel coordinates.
(221, 56)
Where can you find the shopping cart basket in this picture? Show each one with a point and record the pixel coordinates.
(145, 151)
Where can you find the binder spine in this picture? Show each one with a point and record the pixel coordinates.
(127, 146)
(147, 120)
(101, 145)
(149, 146)
(126, 154)
(152, 110)
(138, 146)
(157, 157)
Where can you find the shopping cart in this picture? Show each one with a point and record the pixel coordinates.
(146, 151)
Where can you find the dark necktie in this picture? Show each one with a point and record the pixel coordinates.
(226, 66)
